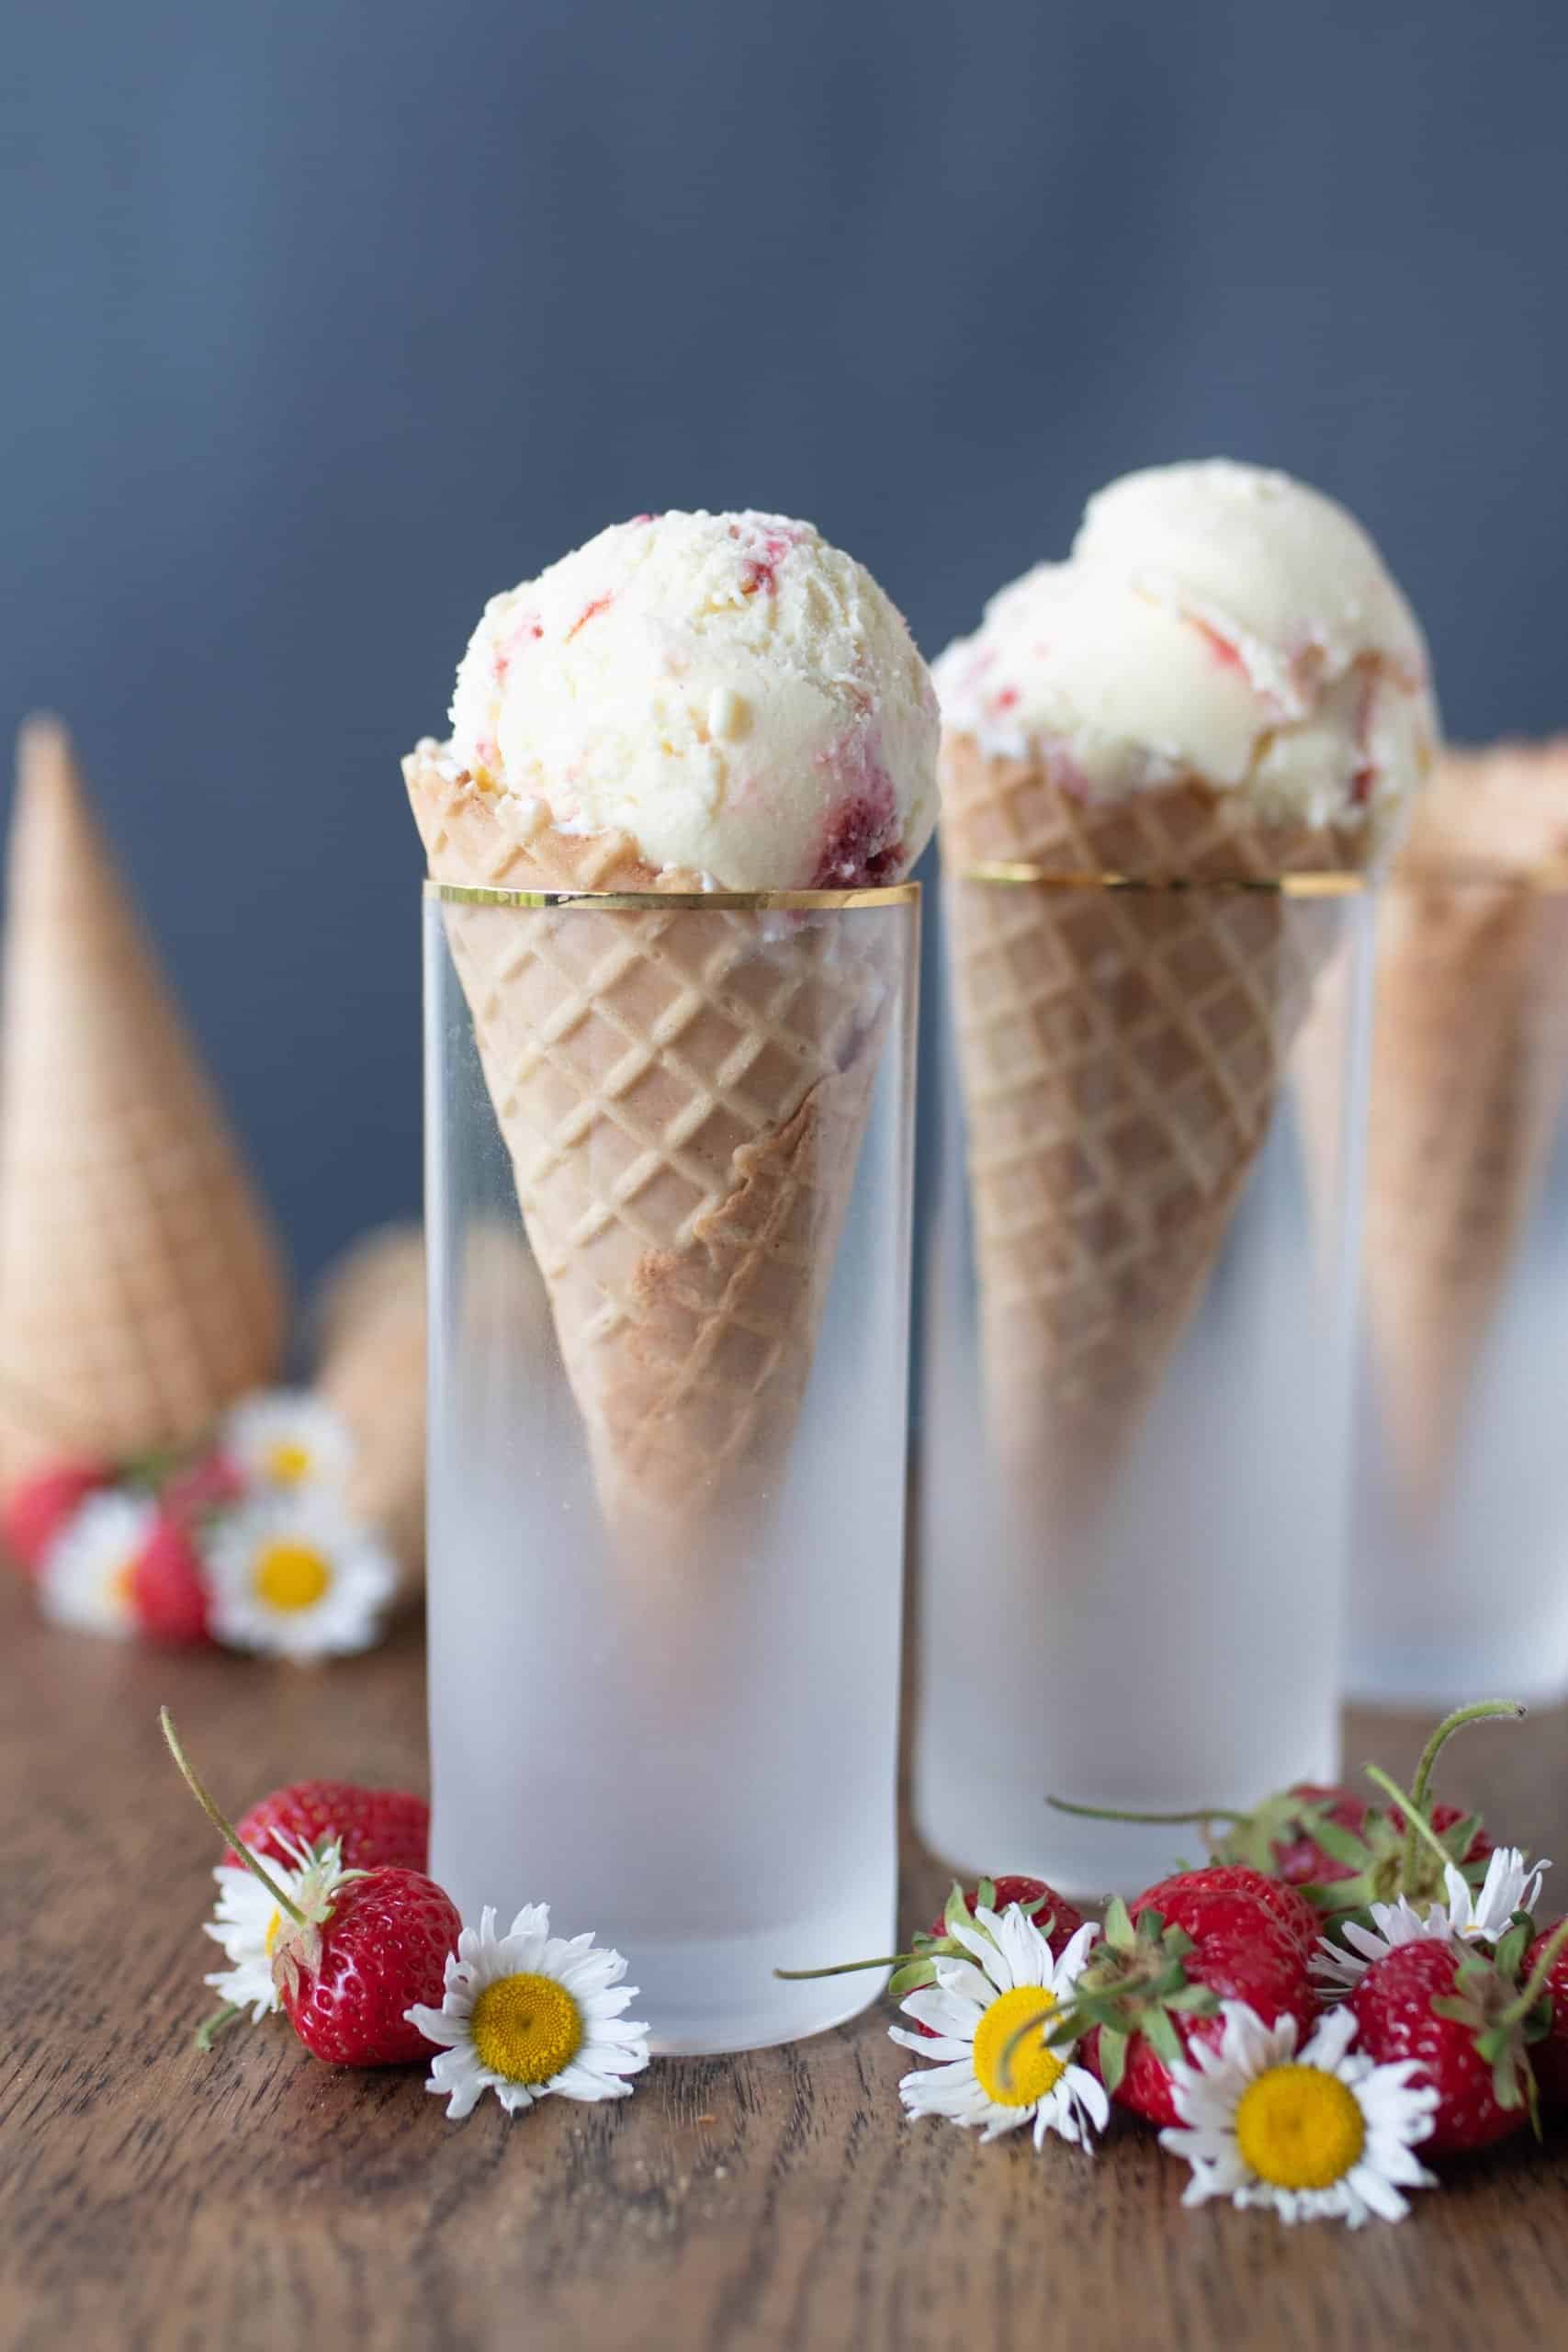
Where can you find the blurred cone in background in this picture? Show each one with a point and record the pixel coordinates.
(141, 1289)
(1470, 1075)
(370, 1328)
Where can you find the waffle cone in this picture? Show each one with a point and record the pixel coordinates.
(1121, 1054)
(1470, 1079)
(140, 1286)
(371, 1321)
(682, 1093)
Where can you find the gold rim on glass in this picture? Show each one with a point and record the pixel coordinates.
(1283, 886)
(463, 893)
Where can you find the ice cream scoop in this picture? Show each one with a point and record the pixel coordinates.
(734, 695)
(1214, 621)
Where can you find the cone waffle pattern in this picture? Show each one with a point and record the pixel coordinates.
(682, 1097)
(373, 1372)
(140, 1290)
(1121, 1054)
(1470, 1079)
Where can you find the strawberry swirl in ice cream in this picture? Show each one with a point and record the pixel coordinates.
(732, 694)
(1214, 621)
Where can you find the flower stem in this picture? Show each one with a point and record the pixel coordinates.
(1015, 2041)
(209, 2029)
(285, 1903)
(848, 1967)
(1416, 1826)
(1115, 1812)
(1479, 1711)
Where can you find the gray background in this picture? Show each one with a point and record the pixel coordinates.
(323, 321)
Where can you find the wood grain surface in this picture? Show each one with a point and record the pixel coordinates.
(151, 2197)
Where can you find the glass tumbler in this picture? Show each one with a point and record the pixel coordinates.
(1137, 1356)
(667, 1182)
(1460, 1549)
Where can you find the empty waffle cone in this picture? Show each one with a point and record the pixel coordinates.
(683, 1092)
(1121, 1054)
(371, 1321)
(1470, 1079)
(140, 1285)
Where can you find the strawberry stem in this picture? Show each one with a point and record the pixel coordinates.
(285, 1903)
(1479, 1711)
(1115, 1812)
(848, 1967)
(1535, 1983)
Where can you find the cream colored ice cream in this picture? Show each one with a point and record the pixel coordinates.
(1214, 621)
(736, 696)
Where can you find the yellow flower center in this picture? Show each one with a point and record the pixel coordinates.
(1017, 2077)
(290, 1576)
(1299, 2128)
(526, 2027)
(120, 1583)
(274, 1930)
(288, 1462)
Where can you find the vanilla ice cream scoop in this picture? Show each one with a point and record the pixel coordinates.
(736, 696)
(1214, 621)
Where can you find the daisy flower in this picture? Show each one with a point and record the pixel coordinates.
(527, 2014)
(86, 1578)
(294, 1576)
(1510, 1885)
(990, 2073)
(247, 1922)
(1325, 2136)
(288, 1439)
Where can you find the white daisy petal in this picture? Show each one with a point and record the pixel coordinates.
(1226, 2136)
(293, 1576)
(287, 1440)
(577, 1990)
(965, 2079)
(86, 1574)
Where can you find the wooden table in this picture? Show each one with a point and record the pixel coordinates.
(151, 2197)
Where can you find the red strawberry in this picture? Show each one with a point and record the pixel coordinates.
(212, 1482)
(1285, 1906)
(1295, 1826)
(168, 1589)
(1055, 1917)
(372, 1827)
(1057, 1920)
(1455, 2012)
(369, 1946)
(1152, 1988)
(1549, 2057)
(35, 1511)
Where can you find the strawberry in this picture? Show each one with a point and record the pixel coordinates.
(209, 1482)
(1462, 2017)
(1343, 1851)
(1055, 1917)
(1549, 2057)
(37, 1509)
(1348, 1851)
(372, 1827)
(356, 1949)
(168, 1589)
(1286, 1905)
(1057, 1920)
(364, 1946)
(1152, 1988)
